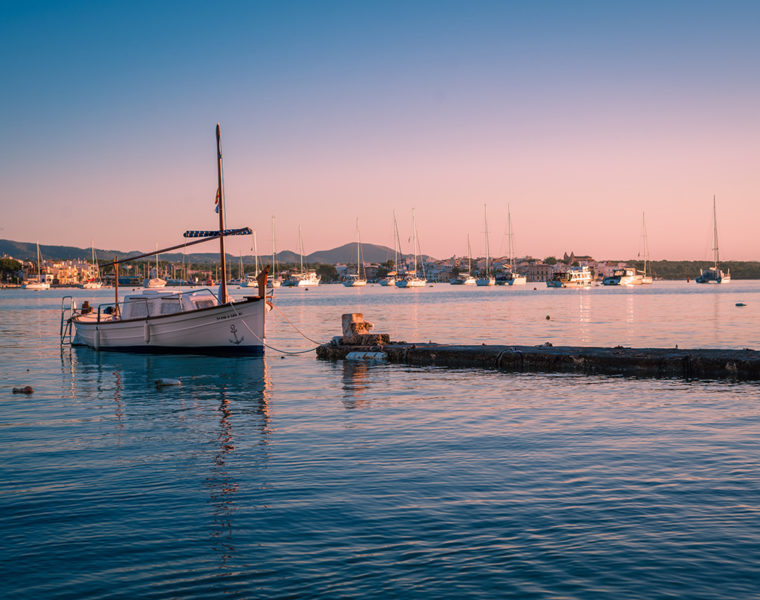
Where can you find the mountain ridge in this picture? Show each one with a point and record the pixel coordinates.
(372, 253)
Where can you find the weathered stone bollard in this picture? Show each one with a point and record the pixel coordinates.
(356, 331)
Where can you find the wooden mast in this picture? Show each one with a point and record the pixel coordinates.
(220, 210)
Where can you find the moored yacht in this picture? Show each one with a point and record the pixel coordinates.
(410, 279)
(623, 277)
(304, 278)
(714, 274)
(575, 277)
(42, 282)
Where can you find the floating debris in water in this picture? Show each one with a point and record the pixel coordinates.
(28, 389)
(167, 382)
(740, 304)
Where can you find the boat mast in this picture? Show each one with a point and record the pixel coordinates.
(220, 210)
(255, 256)
(396, 241)
(469, 256)
(357, 249)
(300, 248)
(274, 264)
(646, 249)
(715, 236)
(488, 252)
(414, 242)
(510, 242)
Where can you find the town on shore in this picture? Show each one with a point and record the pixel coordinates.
(77, 272)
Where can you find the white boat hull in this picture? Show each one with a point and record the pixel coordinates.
(36, 285)
(234, 329)
(153, 283)
(411, 283)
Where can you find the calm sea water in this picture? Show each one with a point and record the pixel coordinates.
(295, 478)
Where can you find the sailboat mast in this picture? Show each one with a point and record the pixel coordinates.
(646, 250)
(469, 256)
(220, 209)
(255, 256)
(300, 248)
(414, 242)
(357, 247)
(274, 267)
(396, 241)
(510, 243)
(715, 236)
(488, 252)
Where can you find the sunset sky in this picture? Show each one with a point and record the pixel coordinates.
(578, 115)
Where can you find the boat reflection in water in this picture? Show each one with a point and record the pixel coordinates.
(219, 409)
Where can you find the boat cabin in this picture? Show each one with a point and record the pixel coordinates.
(153, 303)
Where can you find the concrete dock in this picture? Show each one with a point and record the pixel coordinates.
(642, 362)
(639, 362)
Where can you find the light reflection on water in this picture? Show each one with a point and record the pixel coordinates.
(299, 478)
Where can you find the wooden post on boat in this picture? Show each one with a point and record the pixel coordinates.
(220, 210)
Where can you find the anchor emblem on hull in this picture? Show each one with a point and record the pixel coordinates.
(233, 331)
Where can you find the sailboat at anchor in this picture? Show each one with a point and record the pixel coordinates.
(714, 274)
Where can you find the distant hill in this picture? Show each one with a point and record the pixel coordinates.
(372, 253)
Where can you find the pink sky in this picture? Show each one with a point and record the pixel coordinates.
(580, 122)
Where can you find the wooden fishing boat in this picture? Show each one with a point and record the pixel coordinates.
(198, 321)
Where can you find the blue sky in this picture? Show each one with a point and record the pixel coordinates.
(579, 115)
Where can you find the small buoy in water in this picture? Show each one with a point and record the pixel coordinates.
(534, 289)
(24, 390)
(548, 318)
(740, 304)
(166, 382)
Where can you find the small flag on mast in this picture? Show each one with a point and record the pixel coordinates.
(216, 201)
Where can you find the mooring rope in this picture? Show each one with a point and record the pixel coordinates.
(294, 326)
(287, 352)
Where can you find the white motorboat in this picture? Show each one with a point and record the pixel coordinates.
(714, 274)
(623, 277)
(198, 321)
(575, 277)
